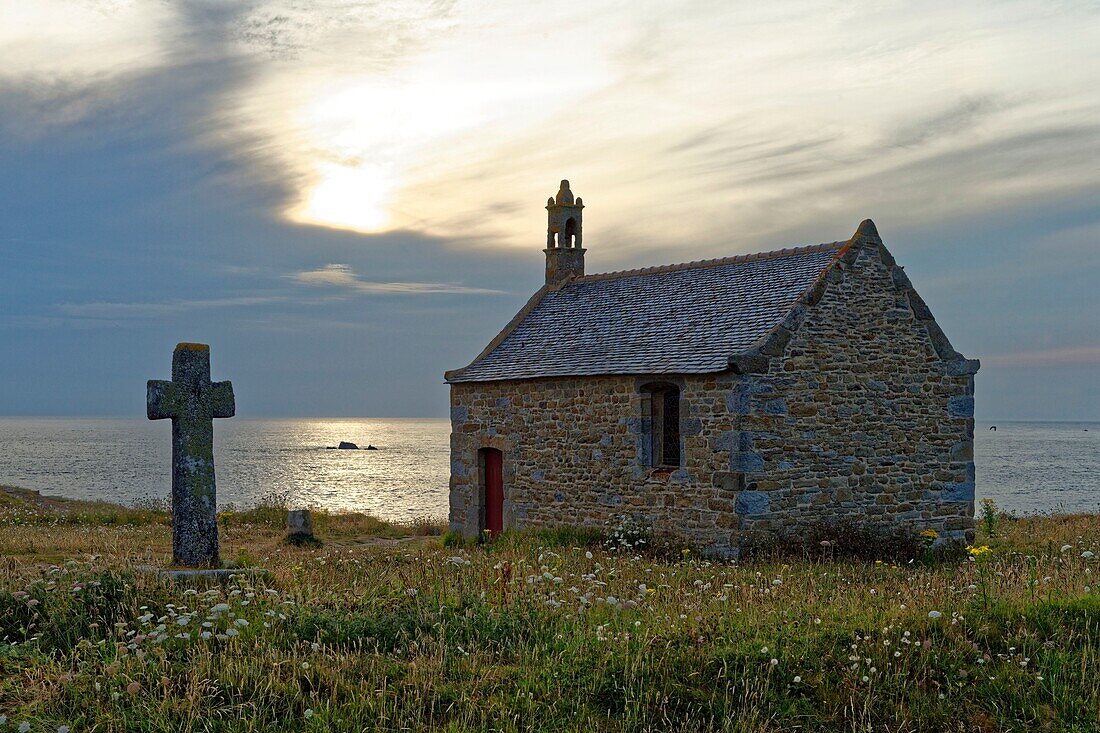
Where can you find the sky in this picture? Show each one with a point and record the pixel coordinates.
(345, 199)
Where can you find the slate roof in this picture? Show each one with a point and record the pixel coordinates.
(677, 319)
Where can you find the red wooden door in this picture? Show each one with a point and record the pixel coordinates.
(494, 490)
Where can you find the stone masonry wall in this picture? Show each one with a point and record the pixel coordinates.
(575, 451)
(861, 416)
(858, 415)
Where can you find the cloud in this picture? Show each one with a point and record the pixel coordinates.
(102, 310)
(1074, 356)
(679, 124)
(960, 116)
(342, 276)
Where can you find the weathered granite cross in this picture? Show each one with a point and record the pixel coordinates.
(192, 400)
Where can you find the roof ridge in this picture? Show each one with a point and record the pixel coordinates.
(701, 264)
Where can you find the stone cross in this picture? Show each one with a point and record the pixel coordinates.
(191, 400)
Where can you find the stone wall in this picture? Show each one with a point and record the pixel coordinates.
(861, 410)
(575, 453)
(862, 415)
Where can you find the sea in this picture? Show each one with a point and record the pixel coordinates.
(1025, 467)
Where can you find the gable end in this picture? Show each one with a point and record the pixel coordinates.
(756, 359)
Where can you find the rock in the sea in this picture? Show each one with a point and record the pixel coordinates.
(371, 447)
(344, 445)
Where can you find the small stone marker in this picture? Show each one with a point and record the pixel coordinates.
(299, 525)
(191, 400)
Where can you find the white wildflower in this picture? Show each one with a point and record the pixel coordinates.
(934, 615)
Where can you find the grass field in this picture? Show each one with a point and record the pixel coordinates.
(384, 628)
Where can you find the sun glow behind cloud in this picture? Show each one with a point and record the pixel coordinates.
(358, 134)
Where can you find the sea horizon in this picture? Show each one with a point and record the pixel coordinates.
(1025, 466)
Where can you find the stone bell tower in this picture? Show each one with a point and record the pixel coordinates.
(564, 254)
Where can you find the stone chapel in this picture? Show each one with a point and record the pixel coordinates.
(758, 393)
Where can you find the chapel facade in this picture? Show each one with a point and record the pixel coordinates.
(712, 400)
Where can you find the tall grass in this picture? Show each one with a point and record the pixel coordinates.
(548, 631)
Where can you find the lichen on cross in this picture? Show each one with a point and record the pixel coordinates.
(191, 400)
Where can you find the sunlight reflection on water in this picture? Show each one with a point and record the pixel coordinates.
(124, 460)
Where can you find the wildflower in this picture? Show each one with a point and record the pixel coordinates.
(978, 551)
(930, 534)
(309, 712)
(588, 555)
(231, 632)
(934, 615)
(774, 661)
(241, 622)
(1066, 548)
(411, 592)
(24, 726)
(797, 678)
(62, 729)
(1088, 554)
(305, 665)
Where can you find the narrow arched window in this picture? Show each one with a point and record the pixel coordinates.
(570, 231)
(661, 408)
